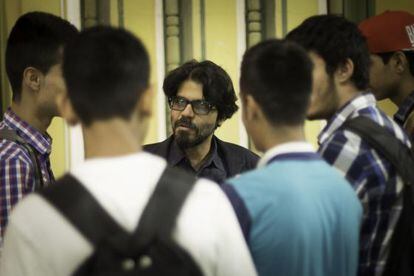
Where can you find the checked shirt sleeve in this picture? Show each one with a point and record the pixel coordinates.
(16, 180)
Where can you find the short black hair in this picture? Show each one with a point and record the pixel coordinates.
(35, 40)
(278, 74)
(106, 71)
(335, 39)
(409, 54)
(217, 85)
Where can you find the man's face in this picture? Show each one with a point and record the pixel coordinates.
(324, 97)
(53, 85)
(189, 128)
(380, 81)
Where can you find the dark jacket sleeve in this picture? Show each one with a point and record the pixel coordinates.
(237, 159)
(160, 149)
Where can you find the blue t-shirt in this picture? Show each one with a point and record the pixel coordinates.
(299, 217)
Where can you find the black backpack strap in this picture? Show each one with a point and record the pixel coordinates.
(11, 135)
(386, 144)
(71, 198)
(159, 216)
(76, 203)
(401, 255)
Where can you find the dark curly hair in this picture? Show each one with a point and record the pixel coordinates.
(217, 85)
(335, 39)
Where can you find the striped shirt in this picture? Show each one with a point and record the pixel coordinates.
(374, 179)
(17, 171)
(404, 111)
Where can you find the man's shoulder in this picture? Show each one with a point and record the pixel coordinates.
(236, 151)
(344, 139)
(160, 148)
(382, 119)
(12, 152)
(409, 125)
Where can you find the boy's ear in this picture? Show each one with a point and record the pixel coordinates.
(251, 108)
(145, 102)
(399, 62)
(32, 78)
(66, 110)
(345, 71)
(251, 111)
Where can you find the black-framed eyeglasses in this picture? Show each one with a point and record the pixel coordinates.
(200, 107)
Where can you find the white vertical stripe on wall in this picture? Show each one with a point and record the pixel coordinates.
(160, 63)
(241, 48)
(323, 6)
(73, 135)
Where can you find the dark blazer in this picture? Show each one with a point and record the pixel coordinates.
(236, 159)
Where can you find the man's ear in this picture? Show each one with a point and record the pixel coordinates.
(145, 103)
(344, 72)
(399, 62)
(66, 110)
(32, 78)
(251, 110)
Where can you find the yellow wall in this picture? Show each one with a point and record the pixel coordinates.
(383, 5)
(297, 11)
(196, 21)
(221, 48)
(139, 18)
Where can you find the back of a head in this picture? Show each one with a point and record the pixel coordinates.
(335, 39)
(35, 41)
(217, 85)
(106, 71)
(278, 74)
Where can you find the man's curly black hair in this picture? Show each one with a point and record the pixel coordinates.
(217, 85)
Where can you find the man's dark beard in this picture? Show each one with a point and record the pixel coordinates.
(184, 140)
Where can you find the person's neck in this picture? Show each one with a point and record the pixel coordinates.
(196, 155)
(346, 94)
(279, 135)
(405, 88)
(26, 111)
(111, 138)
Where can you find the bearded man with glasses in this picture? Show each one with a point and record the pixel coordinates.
(201, 97)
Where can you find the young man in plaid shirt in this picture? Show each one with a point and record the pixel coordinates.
(341, 76)
(33, 64)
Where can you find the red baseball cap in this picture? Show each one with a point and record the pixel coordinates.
(389, 32)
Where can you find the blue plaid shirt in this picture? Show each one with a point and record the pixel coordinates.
(16, 168)
(404, 112)
(369, 173)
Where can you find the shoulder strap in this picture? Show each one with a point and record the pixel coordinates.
(401, 157)
(159, 216)
(11, 135)
(386, 144)
(72, 199)
(76, 203)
